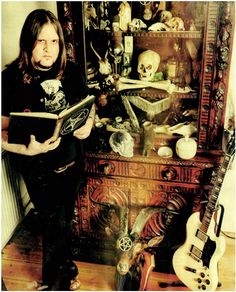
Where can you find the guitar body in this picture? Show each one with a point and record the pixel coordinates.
(196, 261)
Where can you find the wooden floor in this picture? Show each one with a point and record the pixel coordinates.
(21, 267)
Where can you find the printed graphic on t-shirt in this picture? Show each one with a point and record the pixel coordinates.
(54, 99)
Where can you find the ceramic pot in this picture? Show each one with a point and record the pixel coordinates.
(186, 148)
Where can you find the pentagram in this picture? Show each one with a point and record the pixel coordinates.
(125, 243)
(74, 121)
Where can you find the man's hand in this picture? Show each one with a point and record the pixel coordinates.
(84, 131)
(35, 147)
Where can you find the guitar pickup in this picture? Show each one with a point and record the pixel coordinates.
(190, 269)
(195, 253)
(201, 235)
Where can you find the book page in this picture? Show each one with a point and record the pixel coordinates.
(35, 115)
(81, 104)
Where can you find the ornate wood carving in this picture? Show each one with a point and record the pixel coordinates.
(92, 217)
(200, 161)
(65, 12)
(218, 102)
(214, 74)
(152, 170)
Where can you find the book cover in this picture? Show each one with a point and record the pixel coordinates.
(45, 125)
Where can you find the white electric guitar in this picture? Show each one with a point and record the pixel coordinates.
(196, 261)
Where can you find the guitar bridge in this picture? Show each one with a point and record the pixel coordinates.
(194, 257)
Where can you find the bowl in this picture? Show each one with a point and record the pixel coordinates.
(165, 152)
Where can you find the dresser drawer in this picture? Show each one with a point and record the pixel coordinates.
(151, 170)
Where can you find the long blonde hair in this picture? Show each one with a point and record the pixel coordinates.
(30, 31)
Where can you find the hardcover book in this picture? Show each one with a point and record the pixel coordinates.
(45, 125)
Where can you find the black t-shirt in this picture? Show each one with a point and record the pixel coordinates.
(48, 94)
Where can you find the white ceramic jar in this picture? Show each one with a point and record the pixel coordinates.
(186, 148)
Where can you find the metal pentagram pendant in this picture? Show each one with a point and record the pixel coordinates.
(125, 243)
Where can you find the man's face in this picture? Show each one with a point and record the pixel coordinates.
(46, 49)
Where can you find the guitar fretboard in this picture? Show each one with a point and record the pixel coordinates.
(213, 198)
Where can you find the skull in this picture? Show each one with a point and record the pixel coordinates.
(148, 63)
(175, 24)
(137, 24)
(165, 16)
(124, 264)
(122, 143)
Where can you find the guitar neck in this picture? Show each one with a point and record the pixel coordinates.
(213, 198)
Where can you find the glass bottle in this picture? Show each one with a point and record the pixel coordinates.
(172, 69)
(173, 63)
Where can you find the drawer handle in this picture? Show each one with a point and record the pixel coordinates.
(106, 168)
(169, 173)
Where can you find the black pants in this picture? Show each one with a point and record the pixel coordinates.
(53, 196)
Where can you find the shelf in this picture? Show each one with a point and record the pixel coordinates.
(202, 159)
(153, 34)
(169, 34)
(156, 93)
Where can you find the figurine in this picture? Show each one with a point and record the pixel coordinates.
(158, 26)
(175, 24)
(148, 138)
(104, 65)
(137, 24)
(90, 16)
(125, 15)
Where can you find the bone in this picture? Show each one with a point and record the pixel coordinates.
(163, 85)
(124, 86)
(126, 83)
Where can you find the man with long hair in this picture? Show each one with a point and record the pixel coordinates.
(41, 79)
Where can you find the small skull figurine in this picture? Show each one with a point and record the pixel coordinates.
(175, 24)
(148, 63)
(165, 16)
(123, 143)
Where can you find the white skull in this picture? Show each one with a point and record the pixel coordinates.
(148, 63)
(165, 16)
(122, 143)
(175, 24)
(138, 24)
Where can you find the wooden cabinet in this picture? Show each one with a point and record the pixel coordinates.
(138, 182)
(187, 93)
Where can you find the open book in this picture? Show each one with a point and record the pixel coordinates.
(45, 125)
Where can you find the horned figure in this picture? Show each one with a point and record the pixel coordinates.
(104, 65)
(134, 258)
(90, 16)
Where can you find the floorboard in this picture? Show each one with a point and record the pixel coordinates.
(21, 267)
